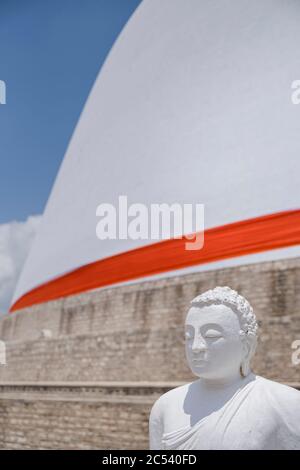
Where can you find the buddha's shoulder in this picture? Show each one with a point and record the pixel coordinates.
(279, 392)
(176, 394)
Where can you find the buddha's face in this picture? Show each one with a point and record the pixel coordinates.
(214, 348)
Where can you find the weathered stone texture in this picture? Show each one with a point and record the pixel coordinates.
(49, 424)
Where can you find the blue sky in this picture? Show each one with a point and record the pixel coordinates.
(50, 54)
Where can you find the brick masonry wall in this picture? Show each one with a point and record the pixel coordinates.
(135, 332)
(55, 424)
(77, 416)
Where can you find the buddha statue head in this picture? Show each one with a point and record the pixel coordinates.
(220, 335)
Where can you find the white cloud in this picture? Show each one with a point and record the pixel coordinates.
(15, 241)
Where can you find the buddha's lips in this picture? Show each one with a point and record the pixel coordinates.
(198, 360)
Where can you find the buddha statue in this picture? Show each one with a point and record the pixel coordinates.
(227, 406)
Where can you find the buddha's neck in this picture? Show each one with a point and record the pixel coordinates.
(222, 383)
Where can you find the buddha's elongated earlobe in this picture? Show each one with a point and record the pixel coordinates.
(245, 367)
(249, 350)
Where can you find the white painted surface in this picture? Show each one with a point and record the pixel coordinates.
(192, 105)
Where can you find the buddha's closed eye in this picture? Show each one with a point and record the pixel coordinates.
(209, 334)
(213, 334)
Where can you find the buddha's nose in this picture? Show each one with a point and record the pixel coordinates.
(198, 345)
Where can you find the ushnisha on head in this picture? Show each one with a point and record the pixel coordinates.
(221, 333)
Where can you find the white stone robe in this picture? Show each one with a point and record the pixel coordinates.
(262, 415)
